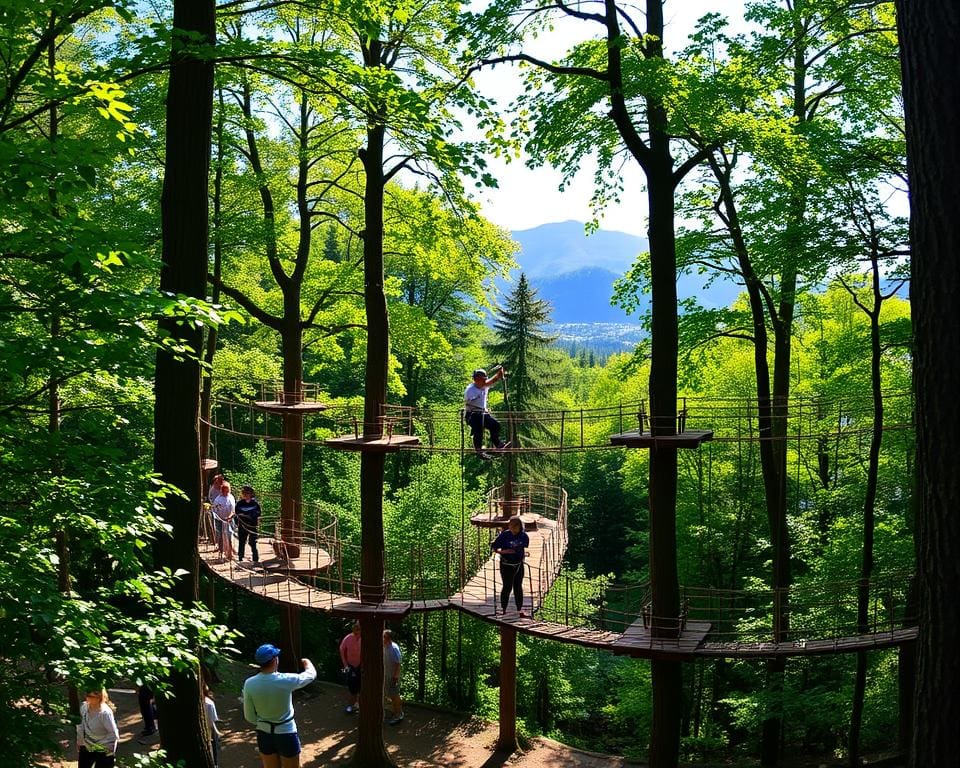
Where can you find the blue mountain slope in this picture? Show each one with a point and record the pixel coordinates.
(556, 249)
(575, 272)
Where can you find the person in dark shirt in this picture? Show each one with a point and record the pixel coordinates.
(511, 545)
(248, 517)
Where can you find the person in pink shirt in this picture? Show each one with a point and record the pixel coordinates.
(350, 656)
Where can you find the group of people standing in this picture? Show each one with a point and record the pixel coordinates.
(230, 514)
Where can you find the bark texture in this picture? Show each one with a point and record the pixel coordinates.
(177, 381)
(929, 38)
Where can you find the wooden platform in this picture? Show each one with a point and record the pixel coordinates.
(277, 585)
(687, 439)
(636, 640)
(378, 445)
(487, 519)
(311, 561)
(275, 406)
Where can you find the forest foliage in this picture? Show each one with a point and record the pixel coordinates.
(790, 191)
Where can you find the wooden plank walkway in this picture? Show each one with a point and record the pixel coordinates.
(278, 586)
(480, 596)
(868, 642)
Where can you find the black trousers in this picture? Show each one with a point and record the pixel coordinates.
(246, 534)
(477, 421)
(88, 759)
(512, 575)
(148, 710)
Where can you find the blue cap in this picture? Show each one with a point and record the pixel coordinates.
(266, 653)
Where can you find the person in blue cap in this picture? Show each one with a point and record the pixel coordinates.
(268, 704)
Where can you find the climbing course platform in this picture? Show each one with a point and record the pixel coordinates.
(317, 571)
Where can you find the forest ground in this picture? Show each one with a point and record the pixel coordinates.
(427, 738)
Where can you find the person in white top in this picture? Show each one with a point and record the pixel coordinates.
(97, 734)
(224, 510)
(475, 410)
(268, 704)
(210, 709)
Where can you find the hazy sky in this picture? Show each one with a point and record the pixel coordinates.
(527, 198)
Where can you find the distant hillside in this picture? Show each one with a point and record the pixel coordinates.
(556, 249)
(575, 272)
(582, 296)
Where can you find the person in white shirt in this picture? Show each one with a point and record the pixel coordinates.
(97, 734)
(268, 704)
(210, 709)
(475, 410)
(224, 510)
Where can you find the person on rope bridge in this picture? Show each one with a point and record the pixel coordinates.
(224, 510)
(268, 704)
(248, 518)
(511, 545)
(350, 657)
(476, 414)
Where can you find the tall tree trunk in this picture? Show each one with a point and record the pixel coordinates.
(907, 654)
(869, 503)
(507, 737)
(370, 752)
(177, 381)
(929, 38)
(667, 678)
(62, 536)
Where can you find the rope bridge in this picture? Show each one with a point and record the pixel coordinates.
(599, 613)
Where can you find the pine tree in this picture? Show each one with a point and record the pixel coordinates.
(525, 349)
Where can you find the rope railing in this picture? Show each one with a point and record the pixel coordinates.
(822, 614)
(277, 392)
(819, 611)
(730, 420)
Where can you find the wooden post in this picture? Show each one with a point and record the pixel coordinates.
(507, 740)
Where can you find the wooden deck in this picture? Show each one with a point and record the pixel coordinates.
(275, 406)
(278, 586)
(492, 519)
(688, 439)
(385, 444)
(636, 640)
(311, 561)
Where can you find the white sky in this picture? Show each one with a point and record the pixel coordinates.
(527, 198)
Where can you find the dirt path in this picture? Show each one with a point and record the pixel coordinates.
(425, 738)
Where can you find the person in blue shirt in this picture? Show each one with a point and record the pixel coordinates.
(248, 516)
(392, 660)
(268, 704)
(511, 545)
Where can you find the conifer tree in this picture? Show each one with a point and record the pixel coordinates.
(524, 348)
